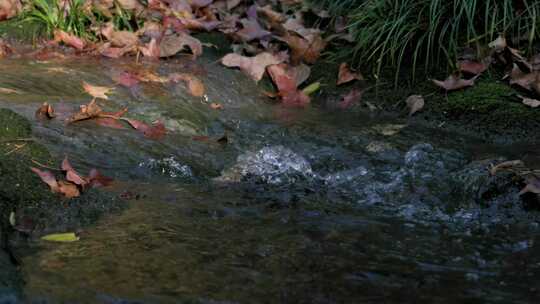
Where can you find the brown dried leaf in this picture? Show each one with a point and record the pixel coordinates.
(254, 67)
(195, 85)
(72, 175)
(47, 177)
(96, 91)
(172, 44)
(288, 91)
(453, 82)
(45, 111)
(415, 103)
(89, 111)
(69, 39)
(533, 103)
(346, 75)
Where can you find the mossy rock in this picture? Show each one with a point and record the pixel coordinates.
(491, 105)
(23, 192)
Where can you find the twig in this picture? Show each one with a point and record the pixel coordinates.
(16, 139)
(44, 166)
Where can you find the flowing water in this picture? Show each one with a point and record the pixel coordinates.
(256, 203)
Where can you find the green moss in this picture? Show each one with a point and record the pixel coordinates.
(491, 103)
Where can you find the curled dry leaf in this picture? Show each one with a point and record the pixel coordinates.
(533, 103)
(69, 39)
(47, 177)
(526, 81)
(72, 175)
(216, 106)
(498, 44)
(532, 185)
(172, 44)
(287, 89)
(254, 67)
(151, 49)
(156, 131)
(251, 30)
(346, 75)
(453, 83)
(91, 110)
(96, 179)
(302, 49)
(9, 9)
(415, 103)
(96, 91)
(45, 111)
(195, 85)
(505, 166)
(474, 67)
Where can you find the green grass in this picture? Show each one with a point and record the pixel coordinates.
(52, 16)
(430, 32)
(76, 18)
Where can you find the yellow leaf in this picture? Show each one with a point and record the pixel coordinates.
(96, 91)
(61, 237)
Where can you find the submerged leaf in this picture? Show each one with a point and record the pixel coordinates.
(61, 237)
(415, 103)
(96, 91)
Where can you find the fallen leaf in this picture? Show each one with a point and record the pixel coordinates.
(96, 91)
(61, 237)
(312, 88)
(72, 175)
(69, 39)
(96, 179)
(9, 91)
(9, 9)
(354, 96)
(48, 178)
(474, 67)
(254, 67)
(216, 106)
(524, 80)
(151, 49)
(415, 103)
(532, 185)
(498, 44)
(126, 79)
(506, 165)
(453, 82)
(251, 30)
(68, 189)
(156, 131)
(346, 75)
(172, 44)
(288, 91)
(45, 111)
(91, 110)
(533, 103)
(195, 85)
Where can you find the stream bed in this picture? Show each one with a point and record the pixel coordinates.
(256, 203)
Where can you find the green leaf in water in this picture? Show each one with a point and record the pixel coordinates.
(312, 88)
(61, 237)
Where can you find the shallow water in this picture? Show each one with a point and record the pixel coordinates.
(296, 206)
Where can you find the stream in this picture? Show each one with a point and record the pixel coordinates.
(257, 203)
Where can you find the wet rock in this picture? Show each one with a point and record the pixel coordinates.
(37, 211)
